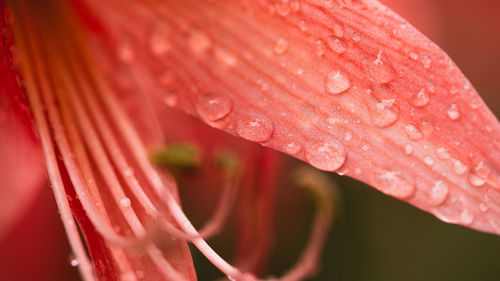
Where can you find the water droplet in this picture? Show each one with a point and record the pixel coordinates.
(128, 172)
(303, 26)
(482, 170)
(73, 261)
(438, 193)
(475, 180)
(413, 56)
(281, 46)
(379, 71)
(442, 153)
(225, 57)
(426, 61)
(213, 107)
(421, 98)
(466, 217)
(413, 133)
(300, 71)
(385, 113)
(483, 207)
(348, 136)
(336, 44)
(395, 184)
(319, 47)
(428, 161)
(199, 42)
(453, 112)
(126, 53)
(328, 156)
(408, 149)
(125, 202)
(283, 9)
(159, 43)
(170, 98)
(292, 148)
(356, 37)
(256, 129)
(459, 167)
(337, 82)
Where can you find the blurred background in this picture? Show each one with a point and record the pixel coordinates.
(375, 237)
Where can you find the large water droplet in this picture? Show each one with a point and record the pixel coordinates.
(256, 129)
(421, 98)
(438, 193)
(413, 133)
(328, 156)
(394, 183)
(482, 170)
(213, 107)
(337, 82)
(428, 161)
(385, 113)
(453, 112)
(281, 46)
(379, 71)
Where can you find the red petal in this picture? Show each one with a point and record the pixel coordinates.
(347, 86)
(22, 172)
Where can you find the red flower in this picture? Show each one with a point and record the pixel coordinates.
(347, 86)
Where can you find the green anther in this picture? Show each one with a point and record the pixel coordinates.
(226, 161)
(177, 157)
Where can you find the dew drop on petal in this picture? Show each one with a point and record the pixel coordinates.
(394, 183)
(328, 156)
(226, 57)
(428, 161)
(170, 98)
(319, 47)
(453, 112)
(483, 207)
(125, 202)
(337, 82)
(475, 180)
(199, 42)
(466, 217)
(74, 262)
(438, 193)
(159, 43)
(281, 46)
(408, 149)
(442, 153)
(459, 167)
(385, 113)
(421, 98)
(292, 148)
(482, 170)
(256, 129)
(413, 133)
(213, 107)
(336, 44)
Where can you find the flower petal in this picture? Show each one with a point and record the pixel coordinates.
(347, 86)
(22, 172)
